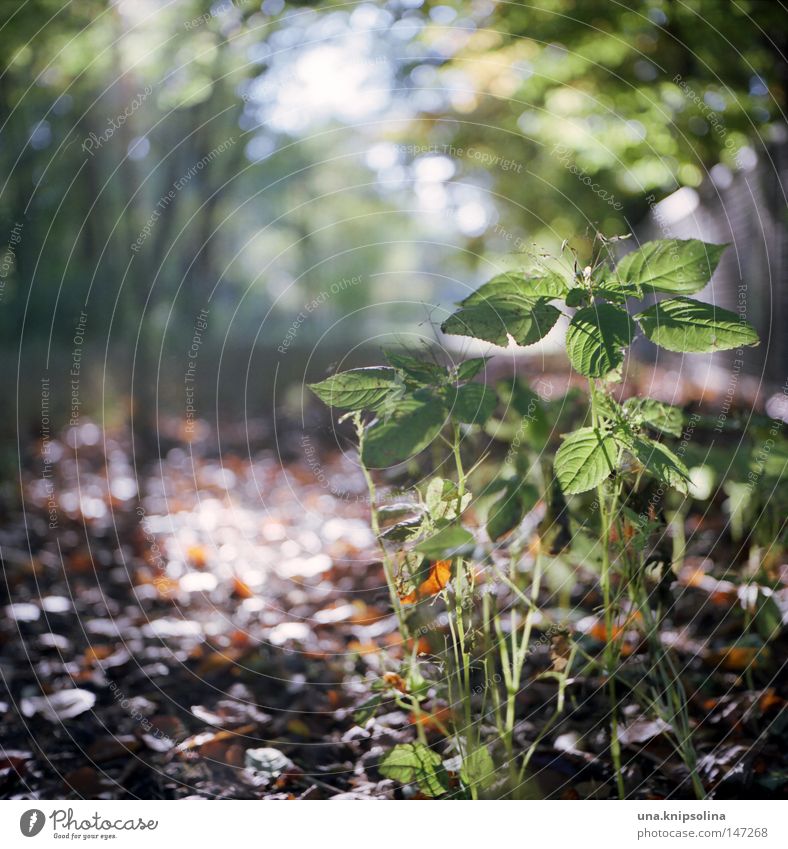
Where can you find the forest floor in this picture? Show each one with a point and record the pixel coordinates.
(161, 630)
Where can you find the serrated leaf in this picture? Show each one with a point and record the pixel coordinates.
(688, 326)
(612, 290)
(662, 417)
(357, 389)
(515, 287)
(596, 339)
(473, 403)
(419, 370)
(584, 460)
(470, 368)
(681, 267)
(411, 763)
(410, 428)
(526, 322)
(478, 769)
(662, 463)
(447, 543)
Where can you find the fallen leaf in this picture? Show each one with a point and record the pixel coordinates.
(59, 706)
(241, 590)
(197, 556)
(438, 578)
(641, 730)
(109, 748)
(85, 781)
(267, 762)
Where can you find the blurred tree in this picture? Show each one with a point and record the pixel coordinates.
(161, 156)
(631, 98)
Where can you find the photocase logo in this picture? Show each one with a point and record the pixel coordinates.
(31, 822)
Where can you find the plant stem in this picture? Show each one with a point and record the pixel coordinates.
(374, 520)
(606, 518)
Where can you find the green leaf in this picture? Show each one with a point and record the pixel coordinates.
(671, 265)
(662, 417)
(612, 290)
(662, 463)
(478, 769)
(495, 321)
(515, 287)
(410, 428)
(768, 617)
(470, 368)
(584, 460)
(367, 710)
(609, 408)
(577, 297)
(447, 543)
(357, 389)
(507, 512)
(689, 326)
(419, 370)
(411, 763)
(596, 338)
(441, 500)
(473, 403)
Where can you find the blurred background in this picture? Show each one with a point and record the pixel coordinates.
(294, 185)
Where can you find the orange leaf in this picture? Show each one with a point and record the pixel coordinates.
(197, 555)
(363, 648)
(396, 681)
(768, 700)
(435, 721)
(241, 589)
(422, 645)
(440, 575)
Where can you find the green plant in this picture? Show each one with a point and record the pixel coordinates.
(614, 452)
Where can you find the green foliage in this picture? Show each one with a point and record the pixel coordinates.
(688, 326)
(585, 459)
(415, 763)
(526, 321)
(662, 463)
(597, 337)
(518, 498)
(358, 389)
(410, 428)
(447, 543)
(672, 265)
(415, 402)
(415, 399)
(473, 403)
(478, 769)
(658, 415)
